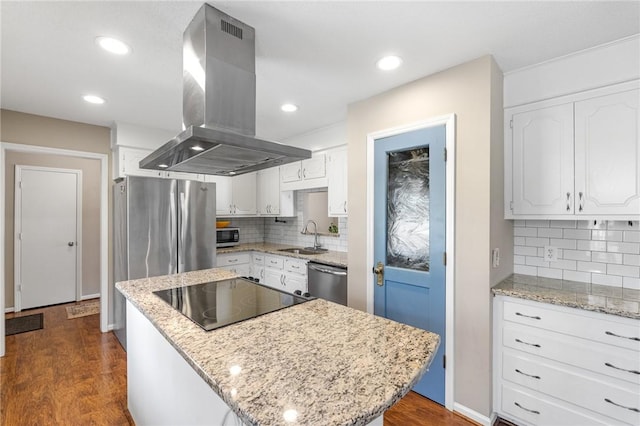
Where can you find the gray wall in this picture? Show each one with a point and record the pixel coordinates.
(472, 91)
(28, 129)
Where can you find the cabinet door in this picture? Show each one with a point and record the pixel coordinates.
(272, 278)
(129, 159)
(224, 203)
(291, 172)
(268, 182)
(185, 176)
(543, 161)
(608, 154)
(293, 282)
(314, 167)
(337, 182)
(243, 190)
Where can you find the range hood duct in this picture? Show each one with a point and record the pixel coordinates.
(219, 104)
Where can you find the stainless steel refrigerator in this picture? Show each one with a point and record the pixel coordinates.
(161, 227)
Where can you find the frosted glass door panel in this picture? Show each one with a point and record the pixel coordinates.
(408, 209)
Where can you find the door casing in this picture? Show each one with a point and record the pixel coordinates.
(17, 252)
(448, 121)
(104, 224)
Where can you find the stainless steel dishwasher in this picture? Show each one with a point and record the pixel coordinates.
(327, 282)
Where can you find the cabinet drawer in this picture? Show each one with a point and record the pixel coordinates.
(611, 398)
(612, 361)
(273, 262)
(621, 332)
(535, 410)
(295, 266)
(230, 259)
(258, 258)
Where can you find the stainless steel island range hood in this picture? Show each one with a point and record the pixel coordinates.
(219, 104)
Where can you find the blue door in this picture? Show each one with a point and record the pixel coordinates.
(409, 238)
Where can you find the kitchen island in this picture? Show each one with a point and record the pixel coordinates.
(316, 363)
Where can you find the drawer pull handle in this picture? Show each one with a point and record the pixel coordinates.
(526, 409)
(608, 333)
(233, 260)
(621, 369)
(527, 316)
(528, 375)
(535, 345)
(622, 406)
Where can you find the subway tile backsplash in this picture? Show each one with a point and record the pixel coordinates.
(598, 252)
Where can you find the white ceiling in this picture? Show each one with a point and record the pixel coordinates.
(319, 55)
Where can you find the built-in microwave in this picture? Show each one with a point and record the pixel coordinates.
(227, 237)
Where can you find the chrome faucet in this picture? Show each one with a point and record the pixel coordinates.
(315, 233)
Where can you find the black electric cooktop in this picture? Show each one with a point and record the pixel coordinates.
(220, 303)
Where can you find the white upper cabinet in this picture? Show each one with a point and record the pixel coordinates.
(337, 182)
(314, 167)
(243, 193)
(608, 154)
(543, 161)
(578, 156)
(224, 201)
(127, 160)
(269, 191)
(305, 174)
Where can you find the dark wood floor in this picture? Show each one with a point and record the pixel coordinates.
(71, 374)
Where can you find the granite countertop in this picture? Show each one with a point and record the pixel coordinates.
(336, 258)
(333, 364)
(619, 301)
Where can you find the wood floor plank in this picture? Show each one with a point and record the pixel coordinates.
(69, 373)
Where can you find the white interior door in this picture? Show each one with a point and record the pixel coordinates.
(47, 230)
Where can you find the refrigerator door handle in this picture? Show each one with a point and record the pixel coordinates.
(183, 230)
(174, 263)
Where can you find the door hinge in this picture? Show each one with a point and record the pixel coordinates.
(511, 205)
(19, 236)
(444, 361)
(445, 154)
(20, 184)
(511, 124)
(444, 258)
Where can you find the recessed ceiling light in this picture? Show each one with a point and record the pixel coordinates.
(197, 148)
(93, 99)
(389, 63)
(289, 108)
(113, 45)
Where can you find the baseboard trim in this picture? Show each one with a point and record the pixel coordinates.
(91, 296)
(7, 310)
(111, 327)
(471, 414)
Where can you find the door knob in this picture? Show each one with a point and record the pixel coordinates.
(379, 271)
(70, 243)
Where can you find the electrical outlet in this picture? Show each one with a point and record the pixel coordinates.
(550, 253)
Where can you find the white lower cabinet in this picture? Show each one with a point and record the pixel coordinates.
(239, 263)
(563, 366)
(286, 274)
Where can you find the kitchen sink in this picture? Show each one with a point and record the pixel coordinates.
(306, 250)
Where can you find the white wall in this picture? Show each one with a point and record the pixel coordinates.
(611, 63)
(320, 139)
(134, 136)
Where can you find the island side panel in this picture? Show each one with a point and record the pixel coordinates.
(162, 388)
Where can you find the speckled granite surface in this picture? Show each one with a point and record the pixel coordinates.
(332, 364)
(619, 301)
(337, 258)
